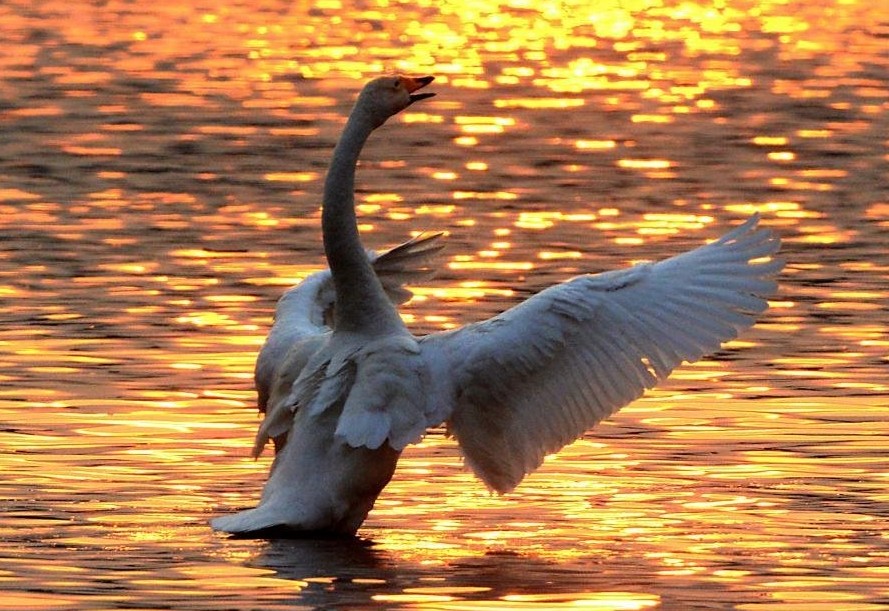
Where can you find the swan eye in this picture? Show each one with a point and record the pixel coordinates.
(396, 83)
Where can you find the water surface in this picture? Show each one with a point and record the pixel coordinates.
(160, 177)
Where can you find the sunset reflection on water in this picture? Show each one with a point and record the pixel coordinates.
(160, 180)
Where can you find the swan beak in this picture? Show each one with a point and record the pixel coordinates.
(412, 84)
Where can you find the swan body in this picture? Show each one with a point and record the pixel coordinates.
(346, 401)
(304, 313)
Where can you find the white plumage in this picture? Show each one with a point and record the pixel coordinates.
(349, 396)
(302, 322)
(534, 378)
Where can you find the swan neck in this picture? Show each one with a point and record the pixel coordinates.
(359, 294)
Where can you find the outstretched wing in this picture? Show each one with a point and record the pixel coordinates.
(529, 381)
(306, 310)
(406, 264)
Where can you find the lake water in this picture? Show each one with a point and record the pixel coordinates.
(160, 177)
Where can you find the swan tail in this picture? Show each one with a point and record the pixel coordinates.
(258, 519)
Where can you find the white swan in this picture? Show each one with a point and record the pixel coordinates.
(511, 389)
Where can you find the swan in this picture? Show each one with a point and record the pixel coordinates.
(511, 389)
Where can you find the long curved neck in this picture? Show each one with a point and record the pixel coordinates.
(360, 299)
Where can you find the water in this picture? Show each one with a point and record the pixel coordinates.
(160, 169)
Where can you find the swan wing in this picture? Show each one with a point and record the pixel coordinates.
(275, 404)
(386, 399)
(407, 263)
(527, 382)
(299, 315)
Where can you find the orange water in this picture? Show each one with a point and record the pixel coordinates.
(160, 168)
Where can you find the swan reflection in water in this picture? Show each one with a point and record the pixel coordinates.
(345, 386)
(356, 572)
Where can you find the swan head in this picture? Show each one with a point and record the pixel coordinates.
(388, 95)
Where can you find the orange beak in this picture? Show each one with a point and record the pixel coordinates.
(412, 84)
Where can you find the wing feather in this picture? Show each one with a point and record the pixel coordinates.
(534, 378)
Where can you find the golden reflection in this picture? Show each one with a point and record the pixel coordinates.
(501, 195)
(292, 176)
(161, 175)
(595, 144)
(483, 125)
(560, 103)
(466, 264)
(645, 164)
